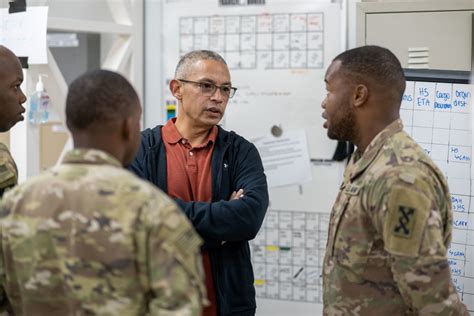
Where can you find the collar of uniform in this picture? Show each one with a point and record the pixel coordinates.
(7, 155)
(359, 162)
(3, 147)
(172, 136)
(90, 156)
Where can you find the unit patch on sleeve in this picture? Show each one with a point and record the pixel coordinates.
(407, 211)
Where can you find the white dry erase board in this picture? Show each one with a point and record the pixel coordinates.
(277, 54)
(437, 112)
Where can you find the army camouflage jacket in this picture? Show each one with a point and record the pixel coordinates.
(90, 238)
(389, 232)
(8, 170)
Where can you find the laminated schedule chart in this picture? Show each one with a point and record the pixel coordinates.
(288, 254)
(439, 117)
(267, 41)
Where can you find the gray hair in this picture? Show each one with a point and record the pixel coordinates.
(188, 60)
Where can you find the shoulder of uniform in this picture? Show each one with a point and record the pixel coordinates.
(402, 147)
(423, 169)
(11, 194)
(8, 170)
(162, 212)
(41, 180)
(410, 177)
(156, 202)
(406, 174)
(151, 199)
(4, 150)
(146, 187)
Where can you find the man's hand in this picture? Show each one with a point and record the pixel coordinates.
(236, 195)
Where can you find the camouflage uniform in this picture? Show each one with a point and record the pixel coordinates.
(89, 238)
(8, 170)
(389, 232)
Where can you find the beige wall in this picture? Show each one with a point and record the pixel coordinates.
(53, 137)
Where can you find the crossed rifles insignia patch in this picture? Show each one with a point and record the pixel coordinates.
(406, 221)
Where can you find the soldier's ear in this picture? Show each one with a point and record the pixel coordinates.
(360, 95)
(127, 128)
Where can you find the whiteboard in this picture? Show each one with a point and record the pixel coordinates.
(24, 33)
(277, 55)
(438, 116)
(288, 251)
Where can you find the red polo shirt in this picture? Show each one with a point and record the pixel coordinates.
(189, 178)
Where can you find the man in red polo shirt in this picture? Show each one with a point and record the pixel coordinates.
(215, 176)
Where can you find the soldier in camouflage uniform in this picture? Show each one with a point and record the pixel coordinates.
(11, 110)
(90, 238)
(391, 224)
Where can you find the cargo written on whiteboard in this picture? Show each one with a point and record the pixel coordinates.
(241, 2)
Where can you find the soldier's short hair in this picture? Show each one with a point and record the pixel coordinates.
(375, 64)
(188, 60)
(99, 96)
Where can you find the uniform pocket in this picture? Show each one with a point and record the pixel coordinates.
(353, 237)
(335, 222)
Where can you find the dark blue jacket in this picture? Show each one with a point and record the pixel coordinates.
(236, 165)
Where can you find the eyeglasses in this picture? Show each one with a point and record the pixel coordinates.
(208, 88)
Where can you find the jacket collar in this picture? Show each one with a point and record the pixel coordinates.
(359, 162)
(90, 156)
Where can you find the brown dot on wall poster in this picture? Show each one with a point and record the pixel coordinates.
(276, 131)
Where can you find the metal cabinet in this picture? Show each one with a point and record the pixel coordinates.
(433, 35)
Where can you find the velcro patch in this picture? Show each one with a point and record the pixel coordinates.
(405, 221)
(353, 189)
(188, 241)
(185, 238)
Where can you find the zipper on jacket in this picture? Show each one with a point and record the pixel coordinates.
(217, 254)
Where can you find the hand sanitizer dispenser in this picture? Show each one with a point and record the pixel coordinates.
(39, 104)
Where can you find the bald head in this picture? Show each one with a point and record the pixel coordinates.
(8, 60)
(4, 51)
(11, 96)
